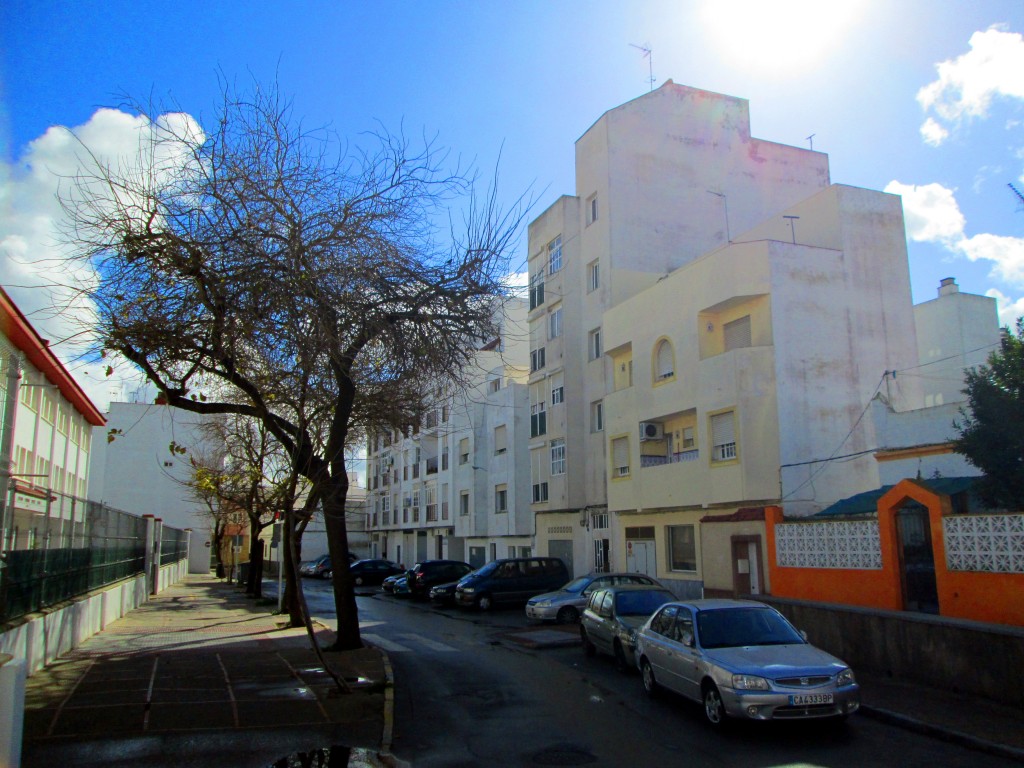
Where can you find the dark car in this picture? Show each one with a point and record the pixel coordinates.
(444, 594)
(430, 573)
(514, 580)
(319, 568)
(372, 571)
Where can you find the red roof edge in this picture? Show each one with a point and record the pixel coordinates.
(19, 330)
(741, 515)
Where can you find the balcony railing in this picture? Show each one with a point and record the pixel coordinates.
(675, 458)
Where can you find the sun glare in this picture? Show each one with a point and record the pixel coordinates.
(777, 36)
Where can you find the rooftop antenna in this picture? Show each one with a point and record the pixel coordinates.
(811, 139)
(646, 48)
(792, 226)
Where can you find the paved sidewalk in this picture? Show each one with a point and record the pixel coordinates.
(200, 673)
(970, 721)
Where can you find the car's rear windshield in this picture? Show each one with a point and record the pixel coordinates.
(736, 627)
(641, 602)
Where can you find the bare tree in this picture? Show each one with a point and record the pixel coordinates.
(271, 272)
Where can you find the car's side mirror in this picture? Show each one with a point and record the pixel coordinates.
(803, 635)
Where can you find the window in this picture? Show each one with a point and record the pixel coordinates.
(594, 344)
(557, 390)
(500, 439)
(558, 457)
(537, 359)
(664, 364)
(538, 420)
(444, 501)
(688, 441)
(537, 290)
(538, 410)
(464, 503)
(682, 548)
(737, 333)
(593, 276)
(494, 385)
(555, 255)
(538, 476)
(500, 499)
(591, 209)
(464, 450)
(620, 457)
(597, 416)
(555, 323)
(723, 437)
(431, 503)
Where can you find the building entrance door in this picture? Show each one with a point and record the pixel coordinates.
(914, 530)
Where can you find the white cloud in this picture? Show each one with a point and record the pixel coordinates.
(966, 85)
(931, 212)
(1009, 310)
(34, 266)
(933, 216)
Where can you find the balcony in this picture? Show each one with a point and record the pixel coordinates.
(675, 458)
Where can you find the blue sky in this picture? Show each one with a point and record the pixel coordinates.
(923, 98)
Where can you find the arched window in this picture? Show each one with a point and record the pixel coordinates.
(664, 361)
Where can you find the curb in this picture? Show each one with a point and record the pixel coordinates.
(954, 737)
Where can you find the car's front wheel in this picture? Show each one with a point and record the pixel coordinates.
(714, 710)
(647, 675)
(568, 615)
(358, 581)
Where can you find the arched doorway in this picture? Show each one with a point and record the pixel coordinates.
(917, 560)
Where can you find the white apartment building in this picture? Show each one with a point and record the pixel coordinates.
(137, 472)
(45, 440)
(456, 485)
(660, 181)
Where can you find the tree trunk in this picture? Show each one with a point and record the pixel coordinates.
(291, 544)
(254, 584)
(337, 544)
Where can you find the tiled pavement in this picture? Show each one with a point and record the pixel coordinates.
(198, 668)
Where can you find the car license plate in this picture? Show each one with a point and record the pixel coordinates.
(810, 698)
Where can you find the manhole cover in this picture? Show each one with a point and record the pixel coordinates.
(563, 755)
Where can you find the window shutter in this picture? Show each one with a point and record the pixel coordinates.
(737, 333)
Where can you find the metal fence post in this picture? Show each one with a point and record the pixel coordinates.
(150, 551)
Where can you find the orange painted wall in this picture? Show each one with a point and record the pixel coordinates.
(868, 588)
(988, 597)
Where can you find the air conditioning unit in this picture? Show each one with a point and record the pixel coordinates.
(650, 430)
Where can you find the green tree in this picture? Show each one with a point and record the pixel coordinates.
(991, 427)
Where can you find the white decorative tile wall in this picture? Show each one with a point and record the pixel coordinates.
(840, 544)
(987, 543)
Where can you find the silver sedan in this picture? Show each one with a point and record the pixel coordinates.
(742, 659)
(566, 604)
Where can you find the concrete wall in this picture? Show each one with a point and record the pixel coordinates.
(955, 654)
(40, 638)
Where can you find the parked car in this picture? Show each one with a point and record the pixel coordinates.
(444, 594)
(388, 585)
(612, 616)
(372, 571)
(742, 659)
(319, 568)
(401, 586)
(566, 604)
(426, 574)
(513, 580)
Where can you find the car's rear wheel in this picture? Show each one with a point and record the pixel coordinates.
(714, 711)
(328, 575)
(484, 602)
(588, 647)
(647, 674)
(568, 615)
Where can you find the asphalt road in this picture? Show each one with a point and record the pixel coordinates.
(467, 696)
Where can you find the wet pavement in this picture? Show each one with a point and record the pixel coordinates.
(200, 672)
(204, 676)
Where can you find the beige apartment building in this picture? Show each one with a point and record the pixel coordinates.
(660, 181)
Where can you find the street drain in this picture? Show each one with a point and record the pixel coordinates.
(563, 755)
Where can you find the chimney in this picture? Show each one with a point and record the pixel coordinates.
(947, 286)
